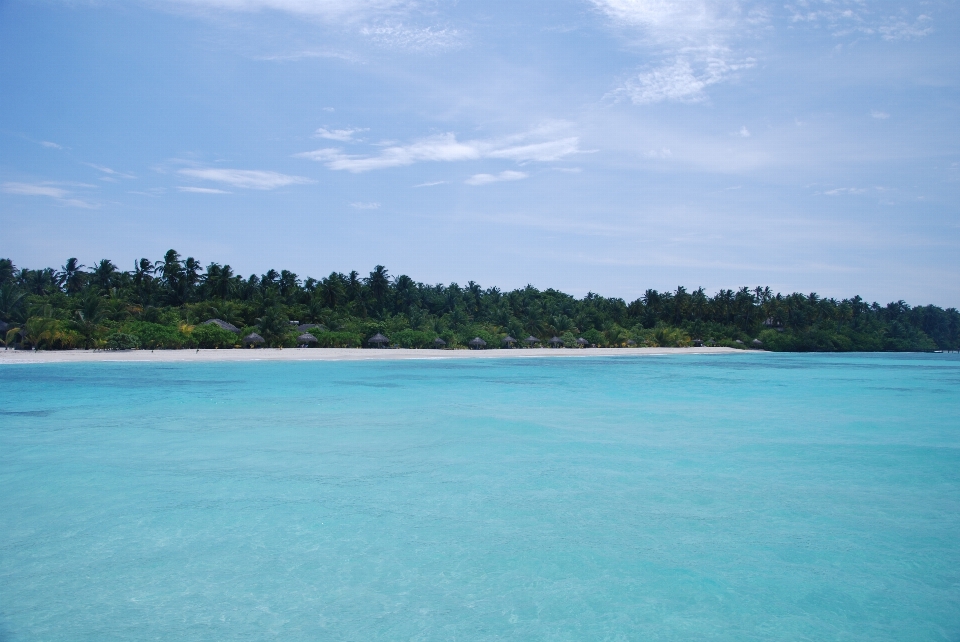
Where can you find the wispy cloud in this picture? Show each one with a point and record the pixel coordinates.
(109, 174)
(486, 179)
(415, 38)
(339, 10)
(246, 178)
(49, 145)
(431, 184)
(342, 135)
(744, 132)
(692, 39)
(846, 17)
(446, 148)
(49, 190)
(365, 206)
(202, 190)
(879, 115)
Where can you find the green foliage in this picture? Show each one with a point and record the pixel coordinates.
(165, 303)
(122, 341)
(212, 336)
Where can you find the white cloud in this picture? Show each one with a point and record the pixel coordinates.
(431, 184)
(246, 178)
(446, 148)
(416, 38)
(659, 153)
(486, 179)
(342, 10)
(846, 17)
(342, 135)
(202, 190)
(744, 132)
(365, 206)
(60, 195)
(879, 115)
(48, 144)
(692, 38)
(109, 173)
(845, 191)
(679, 81)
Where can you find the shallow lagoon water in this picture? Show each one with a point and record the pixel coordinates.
(723, 497)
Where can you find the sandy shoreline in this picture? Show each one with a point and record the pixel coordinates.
(332, 354)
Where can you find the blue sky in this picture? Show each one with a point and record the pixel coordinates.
(604, 145)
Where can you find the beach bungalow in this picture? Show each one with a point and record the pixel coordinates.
(223, 325)
(697, 343)
(757, 343)
(477, 343)
(306, 339)
(378, 340)
(253, 340)
(556, 342)
(509, 341)
(439, 343)
(583, 343)
(532, 341)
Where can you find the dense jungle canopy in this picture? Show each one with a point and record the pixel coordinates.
(164, 304)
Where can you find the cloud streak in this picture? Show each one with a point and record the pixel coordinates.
(446, 148)
(58, 194)
(486, 179)
(246, 178)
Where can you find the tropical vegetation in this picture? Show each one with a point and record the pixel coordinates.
(165, 304)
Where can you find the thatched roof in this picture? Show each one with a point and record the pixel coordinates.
(378, 339)
(532, 339)
(477, 342)
(556, 341)
(306, 338)
(509, 339)
(253, 338)
(303, 327)
(223, 325)
(582, 342)
(757, 342)
(738, 341)
(439, 342)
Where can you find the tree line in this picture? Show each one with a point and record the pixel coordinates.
(164, 304)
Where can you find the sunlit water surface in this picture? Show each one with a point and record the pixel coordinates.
(724, 497)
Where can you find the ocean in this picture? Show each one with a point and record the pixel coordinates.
(681, 497)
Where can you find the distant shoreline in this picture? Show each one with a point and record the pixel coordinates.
(12, 357)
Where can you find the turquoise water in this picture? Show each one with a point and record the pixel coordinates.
(730, 497)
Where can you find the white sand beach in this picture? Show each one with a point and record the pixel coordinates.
(333, 354)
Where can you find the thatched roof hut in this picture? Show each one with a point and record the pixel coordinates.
(531, 340)
(306, 339)
(697, 343)
(223, 325)
(253, 339)
(439, 343)
(582, 342)
(757, 343)
(631, 342)
(378, 340)
(556, 342)
(476, 343)
(509, 341)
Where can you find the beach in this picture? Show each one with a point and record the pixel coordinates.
(331, 354)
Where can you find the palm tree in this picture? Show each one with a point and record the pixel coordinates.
(379, 283)
(11, 301)
(71, 277)
(104, 274)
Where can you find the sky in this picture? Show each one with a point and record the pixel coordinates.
(586, 145)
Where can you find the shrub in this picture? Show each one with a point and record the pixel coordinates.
(212, 336)
(122, 341)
